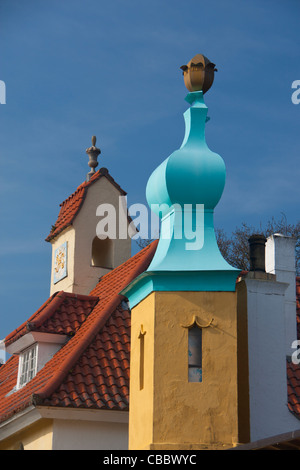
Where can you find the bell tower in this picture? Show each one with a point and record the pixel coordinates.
(86, 241)
(184, 384)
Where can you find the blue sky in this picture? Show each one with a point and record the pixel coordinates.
(74, 69)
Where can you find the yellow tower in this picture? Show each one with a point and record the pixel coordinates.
(184, 371)
(176, 403)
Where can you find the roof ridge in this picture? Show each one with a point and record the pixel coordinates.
(151, 247)
(74, 295)
(72, 195)
(83, 187)
(54, 306)
(64, 367)
(9, 338)
(47, 312)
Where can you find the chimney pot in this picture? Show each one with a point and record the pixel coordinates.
(257, 244)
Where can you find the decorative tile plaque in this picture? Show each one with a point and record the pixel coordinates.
(60, 263)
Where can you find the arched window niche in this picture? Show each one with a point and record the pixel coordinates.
(195, 354)
(102, 253)
(195, 331)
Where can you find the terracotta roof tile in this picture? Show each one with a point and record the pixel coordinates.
(298, 305)
(92, 369)
(293, 377)
(101, 376)
(293, 370)
(71, 206)
(62, 313)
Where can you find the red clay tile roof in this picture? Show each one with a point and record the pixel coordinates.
(92, 369)
(293, 377)
(100, 378)
(293, 370)
(71, 206)
(298, 305)
(62, 313)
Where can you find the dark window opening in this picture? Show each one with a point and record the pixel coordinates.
(102, 253)
(195, 354)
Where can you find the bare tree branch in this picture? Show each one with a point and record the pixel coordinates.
(236, 251)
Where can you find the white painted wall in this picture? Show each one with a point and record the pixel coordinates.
(46, 351)
(269, 414)
(87, 275)
(89, 435)
(280, 260)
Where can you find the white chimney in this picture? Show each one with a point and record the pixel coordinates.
(268, 301)
(280, 260)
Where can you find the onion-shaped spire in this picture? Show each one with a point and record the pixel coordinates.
(184, 191)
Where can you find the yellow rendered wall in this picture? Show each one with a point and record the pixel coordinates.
(170, 412)
(38, 436)
(141, 399)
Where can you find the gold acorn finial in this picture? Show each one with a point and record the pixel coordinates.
(199, 73)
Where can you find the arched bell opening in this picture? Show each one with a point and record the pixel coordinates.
(102, 253)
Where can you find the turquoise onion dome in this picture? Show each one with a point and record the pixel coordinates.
(184, 191)
(193, 174)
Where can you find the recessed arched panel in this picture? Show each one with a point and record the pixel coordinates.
(102, 253)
